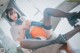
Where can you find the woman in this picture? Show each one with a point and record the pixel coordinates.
(15, 20)
(30, 28)
(18, 24)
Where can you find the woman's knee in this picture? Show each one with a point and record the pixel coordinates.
(49, 11)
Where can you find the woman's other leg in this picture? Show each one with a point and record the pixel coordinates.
(48, 12)
(34, 44)
(72, 32)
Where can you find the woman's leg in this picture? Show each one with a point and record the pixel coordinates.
(48, 12)
(72, 33)
(34, 44)
(64, 38)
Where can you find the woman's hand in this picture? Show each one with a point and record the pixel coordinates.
(26, 25)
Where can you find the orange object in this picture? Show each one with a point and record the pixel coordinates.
(38, 32)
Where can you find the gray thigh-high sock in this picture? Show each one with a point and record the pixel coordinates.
(48, 12)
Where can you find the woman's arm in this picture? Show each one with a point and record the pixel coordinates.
(21, 35)
(14, 32)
